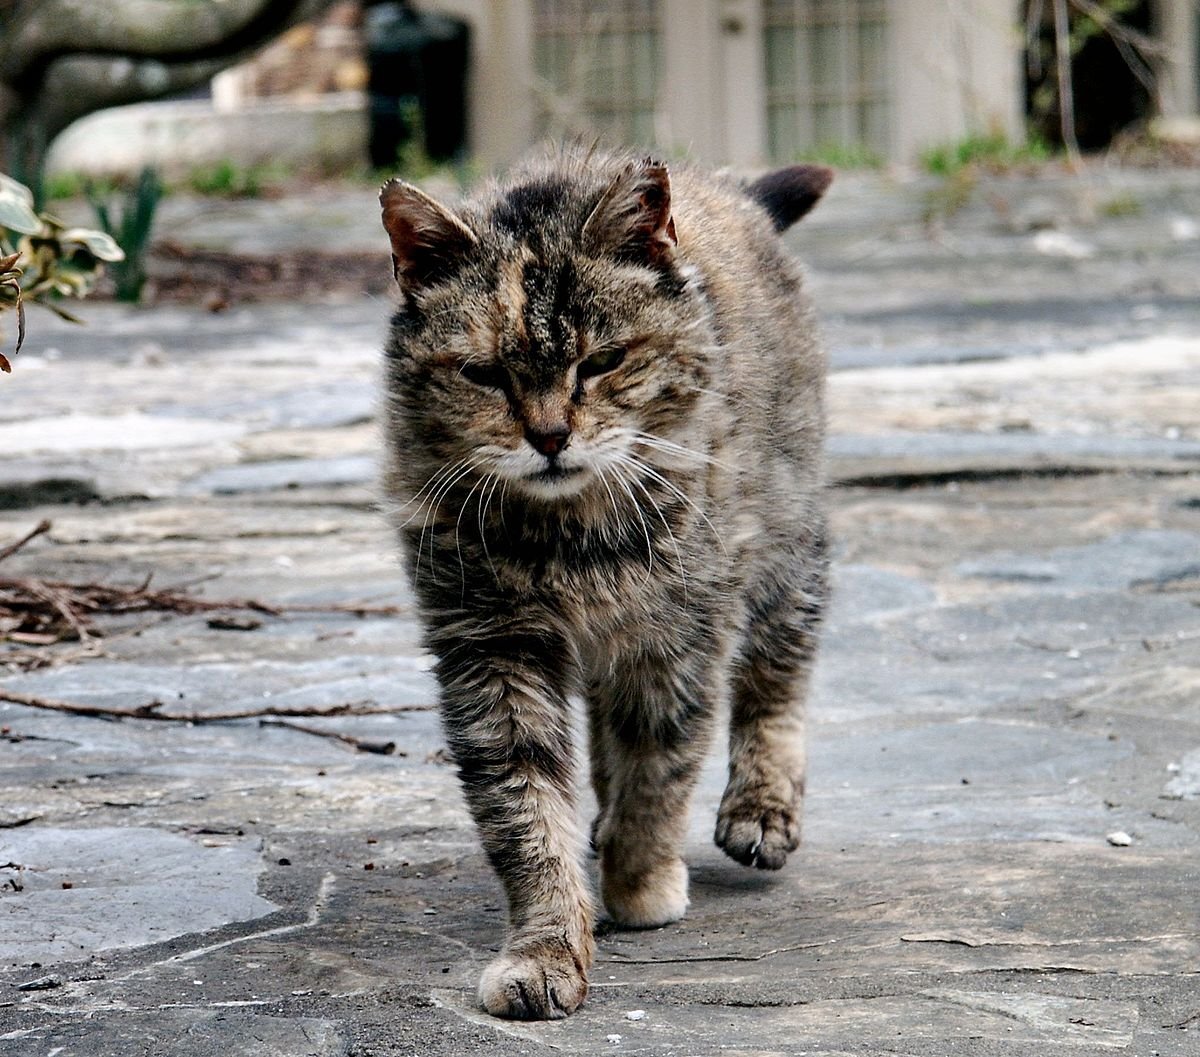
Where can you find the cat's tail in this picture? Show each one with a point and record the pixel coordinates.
(788, 194)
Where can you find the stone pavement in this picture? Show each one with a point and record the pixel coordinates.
(1003, 834)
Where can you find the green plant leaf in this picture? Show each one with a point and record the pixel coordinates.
(15, 213)
(14, 187)
(98, 243)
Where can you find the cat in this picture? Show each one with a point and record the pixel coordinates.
(603, 436)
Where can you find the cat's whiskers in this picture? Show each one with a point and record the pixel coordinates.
(436, 476)
(431, 513)
(637, 509)
(483, 509)
(480, 485)
(670, 447)
(645, 468)
(599, 470)
(690, 503)
(628, 462)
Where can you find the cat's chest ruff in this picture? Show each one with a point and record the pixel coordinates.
(598, 593)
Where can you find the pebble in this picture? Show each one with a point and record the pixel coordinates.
(1060, 244)
(1119, 839)
(42, 983)
(614, 1038)
(636, 1014)
(1184, 229)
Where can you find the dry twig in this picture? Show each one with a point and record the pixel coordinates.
(37, 612)
(267, 716)
(380, 748)
(154, 710)
(41, 527)
(46, 612)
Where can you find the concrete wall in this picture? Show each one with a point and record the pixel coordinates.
(955, 71)
(180, 136)
(1179, 27)
(713, 105)
(502, 117)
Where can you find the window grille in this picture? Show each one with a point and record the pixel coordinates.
(826, 76)
(597, 64)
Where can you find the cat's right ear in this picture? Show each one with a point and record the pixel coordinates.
(633, 217)
(428, 240)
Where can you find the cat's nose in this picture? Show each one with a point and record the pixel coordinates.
(549, 442)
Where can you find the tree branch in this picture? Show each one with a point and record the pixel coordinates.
(168, 30)
(84, 84)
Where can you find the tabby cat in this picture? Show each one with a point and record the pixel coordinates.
(603, 436)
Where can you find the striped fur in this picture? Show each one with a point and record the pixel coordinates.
(603, 437)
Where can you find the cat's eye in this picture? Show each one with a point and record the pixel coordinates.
(602, 362)
(488, 375)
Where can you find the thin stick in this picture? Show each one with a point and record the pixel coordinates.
(93, 646)
(153, 710)
(380, 748)
(41, 527)
(1136, 49)
(620, 959)
(125, 599)
(61, 602)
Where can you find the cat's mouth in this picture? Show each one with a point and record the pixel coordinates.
(554, 481)
(555, 472)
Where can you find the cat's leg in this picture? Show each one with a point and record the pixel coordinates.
(507, 726)
(655, 725)
(602, 749)
(758, 822)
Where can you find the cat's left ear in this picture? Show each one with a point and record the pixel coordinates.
(428, 240)
(788, 194)
(633, 219)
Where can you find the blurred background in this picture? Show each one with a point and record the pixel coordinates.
(107, 110)
(291, 87)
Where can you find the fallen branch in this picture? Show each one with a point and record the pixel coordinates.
(39, 657)
(106, 598)
(620, 959)
(16, 823)
(154, 710)
(40, 528)
(380, 748)
(37, 612)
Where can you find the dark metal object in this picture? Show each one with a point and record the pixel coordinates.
(417, 81)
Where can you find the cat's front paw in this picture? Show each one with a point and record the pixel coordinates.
(755, 833)
(648, 898)
(536, 981)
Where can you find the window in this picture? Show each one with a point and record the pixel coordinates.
(826, 76)
(597, 64)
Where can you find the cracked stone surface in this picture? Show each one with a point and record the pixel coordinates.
(129, 878)
(1011, 673)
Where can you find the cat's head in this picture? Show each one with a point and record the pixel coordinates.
(549, 334)
(545, 331)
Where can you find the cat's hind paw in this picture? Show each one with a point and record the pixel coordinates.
(534, 982)
(645, 900)
(756, 835)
